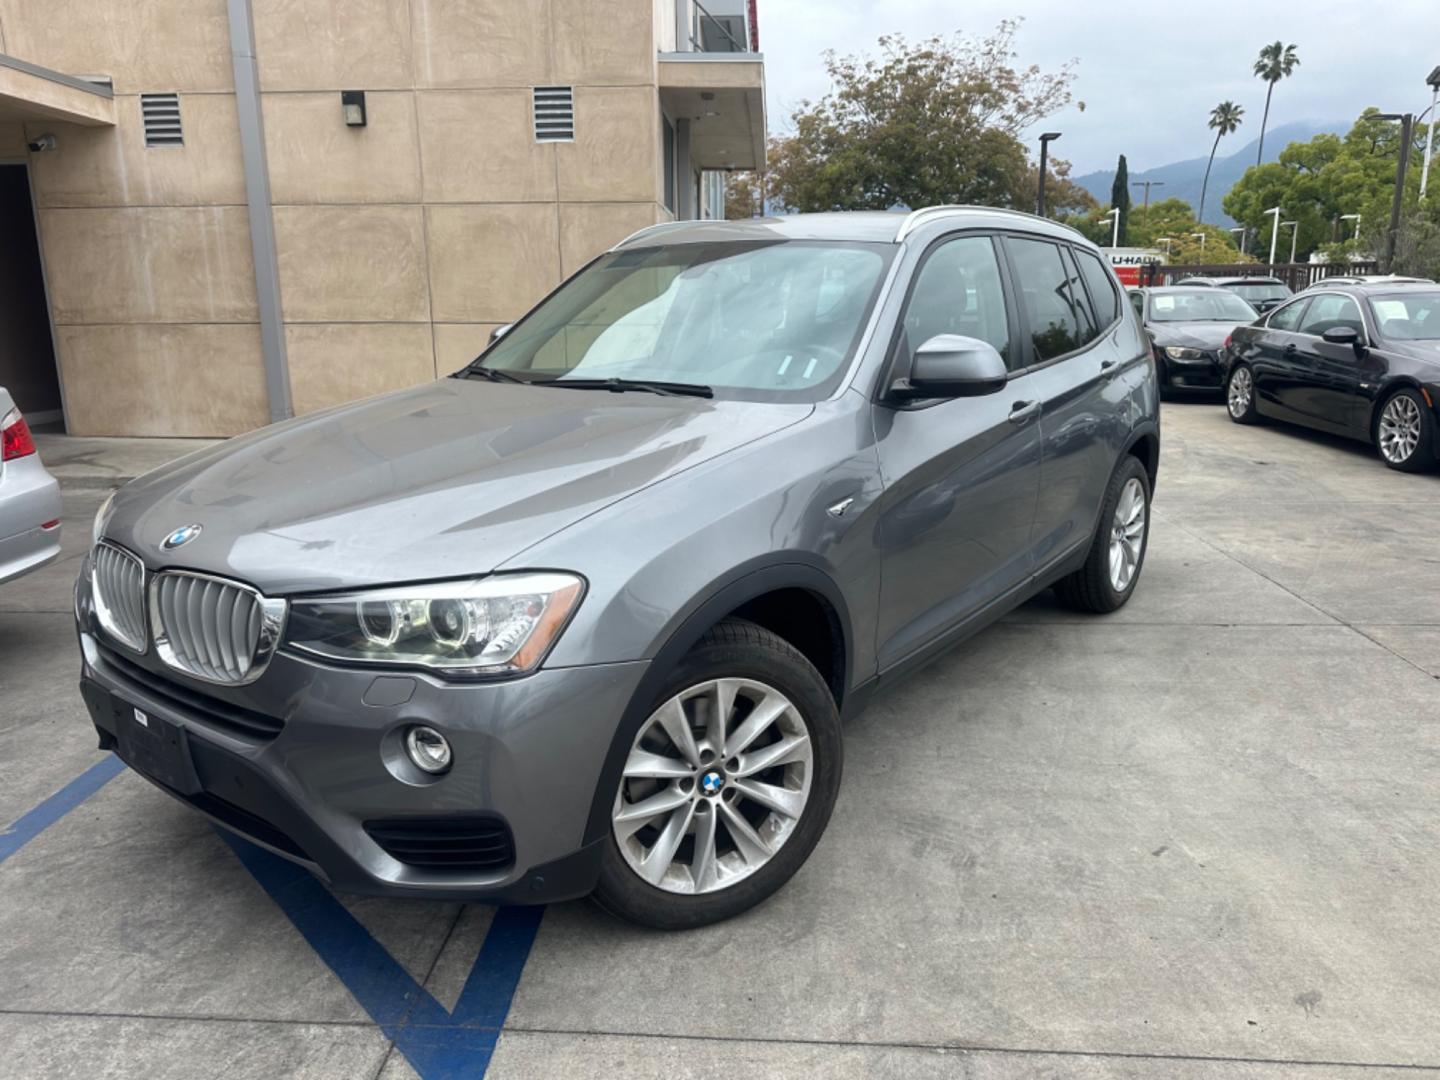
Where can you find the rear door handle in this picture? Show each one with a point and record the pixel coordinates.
(1022, 411)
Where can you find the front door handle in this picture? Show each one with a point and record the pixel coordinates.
(1022, 411)
(1291, 349)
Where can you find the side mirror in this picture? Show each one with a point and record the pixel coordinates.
(1342, 335)
(950, 366)
(499, 332)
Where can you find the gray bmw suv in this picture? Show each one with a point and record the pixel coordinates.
(586, 617)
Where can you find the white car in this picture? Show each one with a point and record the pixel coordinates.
(29, 498)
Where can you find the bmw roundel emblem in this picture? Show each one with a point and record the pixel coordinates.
(711, 782)
(180, 537)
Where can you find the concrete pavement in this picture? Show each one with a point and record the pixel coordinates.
(1194, 839)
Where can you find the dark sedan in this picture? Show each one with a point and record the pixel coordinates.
(1262, 293)
(1355, 360)
(1187, 328)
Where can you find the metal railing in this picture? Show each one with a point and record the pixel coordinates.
(702, 31)
(1296, 275)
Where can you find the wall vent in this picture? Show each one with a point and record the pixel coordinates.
(161, 114)
(554, 114)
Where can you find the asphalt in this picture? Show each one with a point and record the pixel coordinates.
(1195, 839)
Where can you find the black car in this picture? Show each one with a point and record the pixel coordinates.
(1356, 360)
(1187, 328)
(1263, 293)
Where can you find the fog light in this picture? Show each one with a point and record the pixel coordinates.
(428, 749)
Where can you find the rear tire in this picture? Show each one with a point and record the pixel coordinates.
(1405, 432)
(731, 830)
(1117, 554)
(1240, 395)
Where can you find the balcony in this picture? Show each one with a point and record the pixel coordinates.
(713, 83)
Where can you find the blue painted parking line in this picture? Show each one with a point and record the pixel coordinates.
(439, 1044)
(36, 821)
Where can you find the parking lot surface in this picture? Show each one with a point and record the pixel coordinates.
(1193, 839)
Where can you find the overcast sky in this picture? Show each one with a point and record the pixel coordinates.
(1148, 73)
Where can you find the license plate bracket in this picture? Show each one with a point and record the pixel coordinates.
(154, 746)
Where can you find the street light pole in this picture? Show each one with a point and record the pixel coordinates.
(1434, 83)
(1045, 141)
(1241, 230)
(1167, 242)
(1355, 218)
(1274, 231)
(1294, 227)
(1147, 185)
(1201, 237)
(1406, 124)
(1115, 233)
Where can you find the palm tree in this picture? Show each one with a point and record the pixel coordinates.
(1275, 62)
(1224, 118)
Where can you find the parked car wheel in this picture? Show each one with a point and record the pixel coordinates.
(1405, 433)
(728, 784)
(1112, 568)
(1240, 396)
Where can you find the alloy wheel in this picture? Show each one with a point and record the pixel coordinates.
(714, 785)
(1399, 429)
(1127, 534)
(1242, 389)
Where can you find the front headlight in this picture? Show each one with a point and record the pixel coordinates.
(501, 625)
(102, 518)
(1179, 352)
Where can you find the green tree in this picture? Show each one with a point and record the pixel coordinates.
(1064, 199)
(1169, 225)
(1275, 62)
(1224, 119)
(1316, 182)
(938, 121)
(1120, 198)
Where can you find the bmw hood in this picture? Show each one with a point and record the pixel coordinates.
(445, 480)
(1192, 335)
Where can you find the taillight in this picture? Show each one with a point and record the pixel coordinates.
(15, 438)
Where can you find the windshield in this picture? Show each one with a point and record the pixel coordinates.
(1415, 316)
(1260, 290)
(766, 321)
(1202, 305)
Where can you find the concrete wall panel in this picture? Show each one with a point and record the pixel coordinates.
(481, 43)
(456, 344)
(351, 263)
(315, 158)
(321, 45)
(331, 363)
(201, 380)
(479, 146)
(149, 264)
(604, 43)
(491, 263)
(616, 142)
(587, 229)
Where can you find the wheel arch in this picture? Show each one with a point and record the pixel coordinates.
(753, 588)
(1388, 391)
(1144, 443)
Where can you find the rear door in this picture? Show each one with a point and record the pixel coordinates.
(960, 475)
(1082, 377)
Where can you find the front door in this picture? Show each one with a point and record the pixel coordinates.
(961, 475)
(1276, 363)
(1331, 372)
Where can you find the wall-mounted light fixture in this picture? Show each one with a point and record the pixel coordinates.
(352, 102)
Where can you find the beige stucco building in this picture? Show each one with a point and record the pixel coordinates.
(267, 256)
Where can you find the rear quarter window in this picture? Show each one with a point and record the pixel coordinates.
(1101, 283)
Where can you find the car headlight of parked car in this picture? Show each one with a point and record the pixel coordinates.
(1181, 352)
(494, 626)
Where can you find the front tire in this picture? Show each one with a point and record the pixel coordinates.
(1405, 433)
(1117, 553)
(1240, 395)
(727, 786)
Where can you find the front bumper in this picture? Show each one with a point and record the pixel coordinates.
(1196, 373)
(528, 755)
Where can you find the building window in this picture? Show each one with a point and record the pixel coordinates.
(668, 158)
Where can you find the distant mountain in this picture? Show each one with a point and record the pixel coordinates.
(1183, 179)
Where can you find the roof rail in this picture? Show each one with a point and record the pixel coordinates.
(663, 226)
(916, 218)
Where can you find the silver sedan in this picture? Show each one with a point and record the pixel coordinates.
(29, 498)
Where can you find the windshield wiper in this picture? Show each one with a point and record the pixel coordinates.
(493, 374)
(619, 386)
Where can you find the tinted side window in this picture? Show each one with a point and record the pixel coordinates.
(1137, 301)
(1089, 323)
(1055, 318)
(1101, 284)
(1328, 312)
(958, 291)
(1287, 317)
